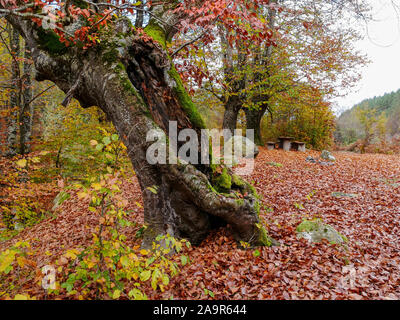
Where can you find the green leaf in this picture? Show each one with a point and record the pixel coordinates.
(137, 294)
(114, 137)
(106, 141)
(145, 275)
(184, 260)
(116, 294)
(124, 261)
(59, 200)
(165, 279)
(256, 253)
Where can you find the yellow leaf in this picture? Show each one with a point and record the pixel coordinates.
(124, 261)
(116, 294)
(71, 254)
(96, 186)
(93, 143)
(21, 297)
(21, 261)
(143, 252)
(35, 160)
(82, 195)
(22, 163)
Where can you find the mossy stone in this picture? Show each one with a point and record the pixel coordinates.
(316, 230)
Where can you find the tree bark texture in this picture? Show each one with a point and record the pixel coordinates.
(15, 95)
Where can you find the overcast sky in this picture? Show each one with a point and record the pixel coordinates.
(382, 45)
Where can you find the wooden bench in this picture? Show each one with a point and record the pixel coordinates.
(271, 145)
(299, 146)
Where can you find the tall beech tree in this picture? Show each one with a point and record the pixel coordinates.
(315, 49)
(312, 47)
(92, 52)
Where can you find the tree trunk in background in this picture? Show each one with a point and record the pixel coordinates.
(15, 95)
(236, 84)
(138, 88)
(264, 58)
(232, 108)
(26, 114)
(139, 16)
(253, 121)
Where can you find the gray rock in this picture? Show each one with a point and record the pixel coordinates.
(316, 230)
(311, 159)
(326, 155)
(322, 163)
(326, 164)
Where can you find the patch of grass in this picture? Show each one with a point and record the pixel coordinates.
(275, 164)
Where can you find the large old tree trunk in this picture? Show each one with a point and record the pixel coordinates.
(134, 82)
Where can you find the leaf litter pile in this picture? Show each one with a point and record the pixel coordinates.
(359, 196)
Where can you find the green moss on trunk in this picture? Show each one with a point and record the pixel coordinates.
(264, 238)
(223, 182)
(186, 101)
(157, 33)
(50, 41)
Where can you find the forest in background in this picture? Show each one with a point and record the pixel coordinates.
(373, 124)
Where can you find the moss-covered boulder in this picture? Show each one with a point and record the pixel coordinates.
(316, 230)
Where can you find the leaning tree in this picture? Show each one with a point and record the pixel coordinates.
(92, 51)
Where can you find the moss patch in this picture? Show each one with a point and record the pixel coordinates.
(80, 4)
(110, 56)
(223, 182)
(157, 33)
(308, 226)
(238, 182)
(50, 41)
(186, 101)
(316, 230)
(265, 239)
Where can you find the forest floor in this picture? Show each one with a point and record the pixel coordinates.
(359, 196)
